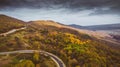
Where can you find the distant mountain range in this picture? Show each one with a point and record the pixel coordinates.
(98, 27)
(111, 29)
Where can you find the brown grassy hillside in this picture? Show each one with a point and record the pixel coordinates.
(9, 23)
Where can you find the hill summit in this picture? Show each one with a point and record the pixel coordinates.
(47, 23)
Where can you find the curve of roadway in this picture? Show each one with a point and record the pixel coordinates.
(57, 60)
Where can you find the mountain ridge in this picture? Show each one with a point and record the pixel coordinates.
(98, 27)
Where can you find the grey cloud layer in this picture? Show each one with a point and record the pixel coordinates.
(82, 12)
(113, 6)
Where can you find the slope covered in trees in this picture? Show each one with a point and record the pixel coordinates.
(74, 48)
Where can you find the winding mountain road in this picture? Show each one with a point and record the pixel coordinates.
(57, 60)
(11, 31)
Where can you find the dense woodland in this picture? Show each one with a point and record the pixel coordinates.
(74, 48)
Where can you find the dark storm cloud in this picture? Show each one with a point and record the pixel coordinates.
(99, 6)
(82, 12)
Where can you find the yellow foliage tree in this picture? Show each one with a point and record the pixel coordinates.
(25, 63)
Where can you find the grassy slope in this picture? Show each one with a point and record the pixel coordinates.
(9, 23)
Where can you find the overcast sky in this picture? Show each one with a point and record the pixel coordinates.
(81, 12)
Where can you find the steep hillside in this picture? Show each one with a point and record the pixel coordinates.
(79, 48)
(76, 49)
(8, 23)
(48, 23)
